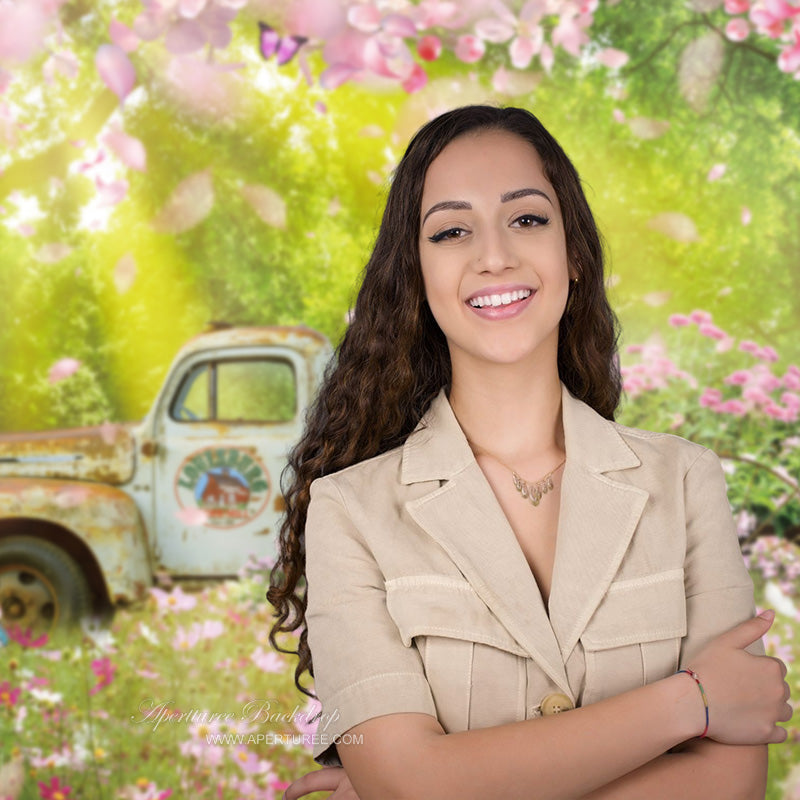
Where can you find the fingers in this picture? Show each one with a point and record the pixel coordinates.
(320, 780)
(750, 630)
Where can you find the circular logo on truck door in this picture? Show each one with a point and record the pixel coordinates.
(231, 485)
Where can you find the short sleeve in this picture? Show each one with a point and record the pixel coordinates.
(362, 669)
(719, 590)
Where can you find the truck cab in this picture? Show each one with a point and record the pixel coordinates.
(89, 516)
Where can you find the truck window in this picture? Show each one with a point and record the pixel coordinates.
(243, 390)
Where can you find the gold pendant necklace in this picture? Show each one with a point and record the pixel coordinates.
(530, 490)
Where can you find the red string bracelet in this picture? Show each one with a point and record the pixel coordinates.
(693, 675)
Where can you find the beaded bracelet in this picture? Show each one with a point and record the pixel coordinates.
(693, 675)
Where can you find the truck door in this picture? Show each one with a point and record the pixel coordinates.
(223, 434)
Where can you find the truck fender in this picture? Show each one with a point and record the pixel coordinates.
(98, 525)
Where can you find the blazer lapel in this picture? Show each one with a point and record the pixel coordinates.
(464, 517)
(597, 519)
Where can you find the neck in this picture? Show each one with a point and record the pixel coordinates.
(512, 413)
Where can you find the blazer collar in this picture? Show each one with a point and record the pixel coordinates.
(598, 515)
(438, 448)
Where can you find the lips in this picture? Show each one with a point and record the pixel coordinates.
(500, 302)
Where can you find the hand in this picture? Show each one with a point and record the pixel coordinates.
(747, 694)
(322, 780)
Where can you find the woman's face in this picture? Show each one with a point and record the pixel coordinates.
(493, 251)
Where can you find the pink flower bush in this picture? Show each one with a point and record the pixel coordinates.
(176, 600)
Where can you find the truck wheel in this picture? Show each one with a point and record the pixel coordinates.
(41, 587)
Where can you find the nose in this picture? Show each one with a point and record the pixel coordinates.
(495, 252)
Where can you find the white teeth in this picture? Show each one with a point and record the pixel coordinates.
(499, 299)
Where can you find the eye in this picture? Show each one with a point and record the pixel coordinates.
(449, 233)
(530, 220)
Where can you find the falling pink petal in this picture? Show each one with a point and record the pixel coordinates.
(23, 26)
(26, 229)
(747, 215)
(64, 63)
(267, 203)
(116, 70)
(676, 225)
(335, 76)
(111, 193)
(73, 496)
(429, 48)
(52, 253)
(619, 115)
(63, 369)
(184, 37)
(122, 36)
(614, 59)
(109, 431)
(320, 107)
(469, 49)
(364, 18)
(192, 516)
(657, 298)
(699, 68)
(645, 128)
(188, 205)
(416, 80)
(317, 19)
(128, 149)
(716, 172)
(125, 273)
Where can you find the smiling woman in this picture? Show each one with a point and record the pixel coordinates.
(483, 548)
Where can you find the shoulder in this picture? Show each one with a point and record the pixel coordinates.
(353, 481)
(657, 448)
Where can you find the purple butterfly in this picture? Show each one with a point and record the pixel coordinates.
(283, 48)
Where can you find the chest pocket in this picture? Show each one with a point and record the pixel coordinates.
(475, 668)
(634, 636)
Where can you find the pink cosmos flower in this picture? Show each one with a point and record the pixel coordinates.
(104, 669)
(747, 346)
(176, 600)
(25, 638)
(55, 790)
(267, 661)
(8, 696)
(185, 639)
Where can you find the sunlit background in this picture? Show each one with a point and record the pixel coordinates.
(165, 166)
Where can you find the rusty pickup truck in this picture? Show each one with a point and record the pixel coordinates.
(89, 516)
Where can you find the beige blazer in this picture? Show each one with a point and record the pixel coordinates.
(421, 599)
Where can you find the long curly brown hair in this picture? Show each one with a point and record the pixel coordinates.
(393, 358)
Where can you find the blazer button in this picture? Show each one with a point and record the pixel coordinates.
(555, 704)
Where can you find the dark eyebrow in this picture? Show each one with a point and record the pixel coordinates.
(517, 193)
(447, 205)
